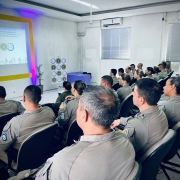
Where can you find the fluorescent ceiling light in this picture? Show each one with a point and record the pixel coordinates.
(85, 3)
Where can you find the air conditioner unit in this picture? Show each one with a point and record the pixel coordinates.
(110, 22)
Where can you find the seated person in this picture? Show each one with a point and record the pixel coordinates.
(163, 72)
(156, 73)
(106, 81)
(168, 67)
(148, 126)
(171, 106)
(139, 66)
(113, 73)
(8, 106)
(125, 90)
(20, 127)
(67, 113)
(120, 71)
(133, 68)
(149, 71)
(128, 72)
(138, 74)
(67, 92)
(99, 147)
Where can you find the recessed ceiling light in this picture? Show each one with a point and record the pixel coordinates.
(85, 3)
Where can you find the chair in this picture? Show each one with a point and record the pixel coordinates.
(74, 132)
(152, 158)
(136, 172)
(4, 119)
(161, 83)
(126, 106)
(173, 151)
(35, 149)
(116, 86)
(50, 105)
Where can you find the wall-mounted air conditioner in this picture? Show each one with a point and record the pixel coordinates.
(111, 21)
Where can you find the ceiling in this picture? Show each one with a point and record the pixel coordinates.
(70, 10)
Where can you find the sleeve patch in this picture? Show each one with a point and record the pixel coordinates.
(4, 137)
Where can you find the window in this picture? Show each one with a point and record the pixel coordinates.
(173, 47)
(115, 43)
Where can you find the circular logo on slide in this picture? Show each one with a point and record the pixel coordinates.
(3, 46)
(10, 46)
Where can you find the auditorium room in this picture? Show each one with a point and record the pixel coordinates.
(90, 89)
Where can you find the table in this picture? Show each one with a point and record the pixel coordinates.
(74, 76)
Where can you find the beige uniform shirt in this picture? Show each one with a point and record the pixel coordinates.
(10, 106)
(171, 107)
(97, 157)
(162, 74)
(123, 92)
(20, 127)
(68, 115)
(145, 129)
(130, 74)
(115, 80)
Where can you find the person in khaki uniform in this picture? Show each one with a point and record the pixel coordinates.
(20, 127)
(67, 112)
(9, 106)
(62, 96)
(113, 73)
(148, 126)
(163, 72)
(171, 106)
(101, 153)
(125, 90)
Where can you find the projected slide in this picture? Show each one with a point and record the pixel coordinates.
(12, 46)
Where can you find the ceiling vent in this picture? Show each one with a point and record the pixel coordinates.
(110, 22)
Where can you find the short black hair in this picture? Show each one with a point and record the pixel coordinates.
(114, 71)
(126, 77)
(150, 69)
(121, 70)
(79, 86)
(33, 94)
(2, 92)
(133, 65)
(176, 82)
(149, 89)
(67, 85)
(107, 79)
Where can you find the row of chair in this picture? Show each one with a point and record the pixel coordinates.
(30, 154)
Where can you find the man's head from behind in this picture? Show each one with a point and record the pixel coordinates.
(147, 92)
(106, 81)
(172, 87)
(98, 107)
(2, 92)
(113, 72)
(32, 95)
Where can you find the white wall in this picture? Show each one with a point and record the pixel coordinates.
(146, 42)
(52, 38)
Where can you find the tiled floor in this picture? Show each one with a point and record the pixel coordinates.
(50, 97)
